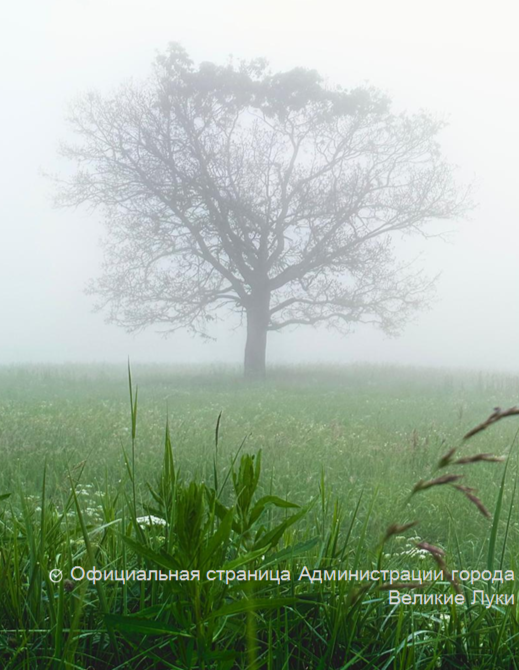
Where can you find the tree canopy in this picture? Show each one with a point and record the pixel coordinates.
(274, 195)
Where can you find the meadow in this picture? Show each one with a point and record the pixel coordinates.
(193, 469)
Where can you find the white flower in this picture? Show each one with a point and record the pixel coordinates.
(150, 520)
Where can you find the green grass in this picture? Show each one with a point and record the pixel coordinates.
(308, 469)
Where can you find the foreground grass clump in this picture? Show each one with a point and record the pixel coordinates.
(334, 462)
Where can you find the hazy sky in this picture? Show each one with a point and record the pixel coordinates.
(454, 58)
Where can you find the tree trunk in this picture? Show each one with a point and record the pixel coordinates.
(254, 366)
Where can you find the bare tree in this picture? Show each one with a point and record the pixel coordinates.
(272, 195)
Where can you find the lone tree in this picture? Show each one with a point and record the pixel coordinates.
(232, 189)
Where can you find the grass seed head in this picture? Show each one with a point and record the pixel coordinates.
(468, 493)
(446, 459)
(496, 415)
(438, 555)
(431, 548)
(439, 481)
(478, 458)
(398, 529)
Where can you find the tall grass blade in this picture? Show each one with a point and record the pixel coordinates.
(497, 512)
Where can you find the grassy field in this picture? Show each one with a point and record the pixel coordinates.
(337, 453)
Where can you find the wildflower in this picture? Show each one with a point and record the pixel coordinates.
(150, 520)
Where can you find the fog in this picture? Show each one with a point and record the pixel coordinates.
(453, 59)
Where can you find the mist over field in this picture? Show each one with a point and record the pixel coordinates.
(456, 61)
(318, 469)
